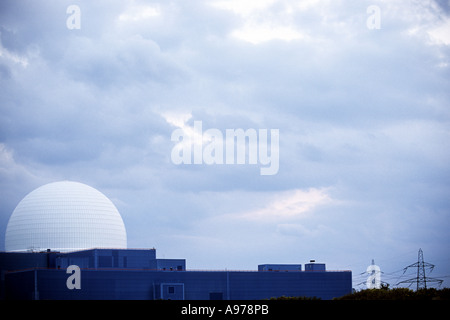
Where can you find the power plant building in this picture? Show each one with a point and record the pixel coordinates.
(46, 260)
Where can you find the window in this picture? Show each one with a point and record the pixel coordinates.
(172, 291)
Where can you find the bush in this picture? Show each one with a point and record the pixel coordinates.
(398, 294)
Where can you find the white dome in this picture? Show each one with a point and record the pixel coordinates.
(65, 216)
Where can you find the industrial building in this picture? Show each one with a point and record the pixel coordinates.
(46, 259)
(138, 274)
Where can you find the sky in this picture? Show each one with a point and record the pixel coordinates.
(358, 91)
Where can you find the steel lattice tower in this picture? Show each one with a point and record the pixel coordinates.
(421, 279)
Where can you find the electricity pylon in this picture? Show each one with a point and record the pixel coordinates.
(374, 279)
(421, 279)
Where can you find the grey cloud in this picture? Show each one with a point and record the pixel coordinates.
(363, 112)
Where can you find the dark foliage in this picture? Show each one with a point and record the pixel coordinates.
(398, 294)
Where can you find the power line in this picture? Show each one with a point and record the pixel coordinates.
(374, 278)
(421, 279)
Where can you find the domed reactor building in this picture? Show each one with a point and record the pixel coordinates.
(65, 216)
(67, 241)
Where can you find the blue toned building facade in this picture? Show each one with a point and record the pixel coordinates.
(120, 274)
(66, 219)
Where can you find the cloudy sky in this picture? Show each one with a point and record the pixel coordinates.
(359, 91)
